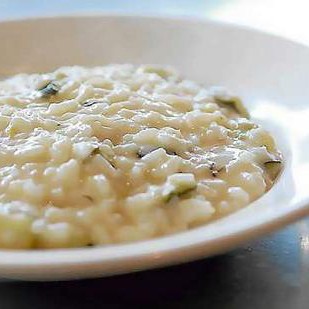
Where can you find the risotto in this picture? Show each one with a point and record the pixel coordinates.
(95, 156)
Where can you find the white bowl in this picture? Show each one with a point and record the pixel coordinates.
(270, 73)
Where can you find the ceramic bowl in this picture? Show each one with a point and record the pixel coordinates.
(268, 72)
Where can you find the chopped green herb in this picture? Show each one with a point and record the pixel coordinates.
(214, 170)
(245, 124)
(88, 197)
(50, 89)
(177, 185)
(273, 168)
(178, 192)
(97, 151)
(170, 152)
(111, 164)
(91, 102)
(143, 152)
(163, 73)
(234, 103)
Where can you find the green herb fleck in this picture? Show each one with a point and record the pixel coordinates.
(178, 192)
(50, 89)
(97, 151)
(234, 103)
(88, 197)
(143, 152)
(214, 170)
(91, 102)
(273, 167)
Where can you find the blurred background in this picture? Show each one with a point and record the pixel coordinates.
(287, 18)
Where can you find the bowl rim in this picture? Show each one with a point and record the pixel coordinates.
(147, 16)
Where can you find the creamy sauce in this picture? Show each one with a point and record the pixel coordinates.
(122, 153)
